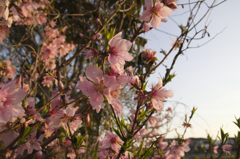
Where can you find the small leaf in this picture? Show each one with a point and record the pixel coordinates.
(145, 85)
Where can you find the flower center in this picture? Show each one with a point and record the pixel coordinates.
(155, 10)
(99, 86)
(113, 50)
(115, 93)
(113, 140)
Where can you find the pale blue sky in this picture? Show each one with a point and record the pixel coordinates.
(207, 77)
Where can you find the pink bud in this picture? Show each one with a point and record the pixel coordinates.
(99, 21)
(60, 84)
(96, 36)
(88, 30)
(146, 27)
(88, 118)
(81, 35)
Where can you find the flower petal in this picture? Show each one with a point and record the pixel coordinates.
(94, 73)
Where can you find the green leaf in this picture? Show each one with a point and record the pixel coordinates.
(140, 149)
(27, 131)
(238, 122)
(117, 132)
(64, 131)
(95, 151)
(145, 85)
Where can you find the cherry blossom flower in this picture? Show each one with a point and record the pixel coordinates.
(162, 144)
(32, 143)
(158, 95)
(119, 49)
(186, 125)
(10, 102)
(112, 93)
(159, 11)
(148, 56)
(153, 120)
(93, 89)
(90, 53)
(112, 141)
(48, 81)
(227, 149)
(215, 148)
(146, 27)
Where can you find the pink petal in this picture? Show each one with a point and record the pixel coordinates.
(96, 98)
(164, 12)
(112, 59)
(86, 87)
(115, 40)
(155, 22)
(125, 55)
(156, 104)
(124, 45)
(149, 3)
(145, 15)
(158, 85)
(20, 95)
(115, 147)
(94, 73)
(109, 80)
(98, 107)
(117, 106)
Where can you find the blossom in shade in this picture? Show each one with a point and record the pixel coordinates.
(227, 149)
(215, 148)
(112, 141)
(90, 53)
(98, 35)
(99, 21)
(94, 88)
(48, 81)
(119, 49)
(112, 93)
(10, 102)
(158, 12)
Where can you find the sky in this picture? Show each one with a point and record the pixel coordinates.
(207, 77)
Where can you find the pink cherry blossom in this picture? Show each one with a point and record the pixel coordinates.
(93, 89)
(153, 120)
(32, 143)
(227, 149)
(119, 49)
(112, 141)
(149, 56)
(159, 11)
(215, 148)
(158, 95)
(112, 93)
(48, 81)
(10, 102)
(90, 53)
(146, 27)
